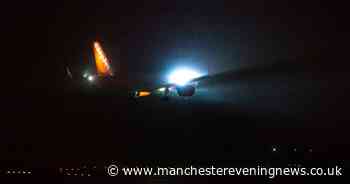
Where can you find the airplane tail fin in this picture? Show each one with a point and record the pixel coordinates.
(102, 62)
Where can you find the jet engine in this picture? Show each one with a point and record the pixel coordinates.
(186, 90)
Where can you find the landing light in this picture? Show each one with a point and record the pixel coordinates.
(183, 76)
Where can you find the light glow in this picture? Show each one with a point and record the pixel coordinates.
(85, 75)
(91, 78)
(161, 89)
(144, 93)
(183, 76)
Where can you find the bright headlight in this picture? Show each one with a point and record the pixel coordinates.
(182, 76)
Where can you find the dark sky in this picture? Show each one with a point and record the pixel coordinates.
(150, 37)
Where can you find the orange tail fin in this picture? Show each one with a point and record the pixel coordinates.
(102, 63)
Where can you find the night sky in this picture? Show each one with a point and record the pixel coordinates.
(290, 59)
(149, 38)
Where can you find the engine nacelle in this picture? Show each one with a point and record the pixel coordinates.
(187, 90)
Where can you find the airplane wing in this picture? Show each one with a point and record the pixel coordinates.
(181, 89)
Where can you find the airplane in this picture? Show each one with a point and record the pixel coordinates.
(182, 81)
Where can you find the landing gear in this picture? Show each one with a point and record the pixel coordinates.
(166, 94)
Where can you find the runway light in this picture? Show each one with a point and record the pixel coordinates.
(182, 76)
